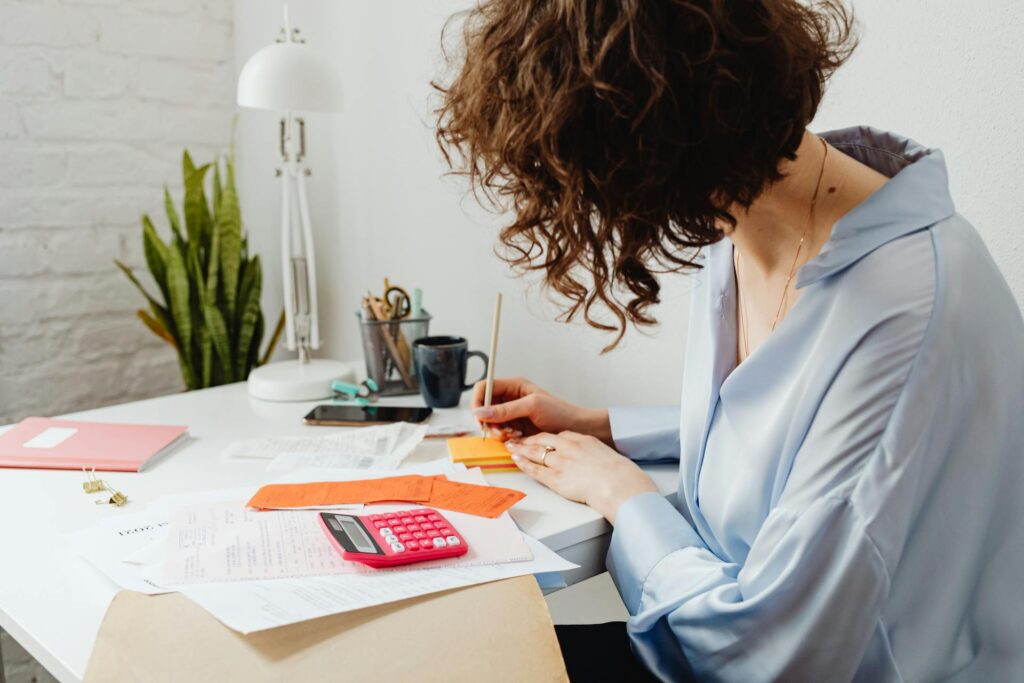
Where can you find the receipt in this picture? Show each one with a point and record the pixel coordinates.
(382, 447)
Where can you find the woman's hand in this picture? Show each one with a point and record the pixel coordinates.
(581, 468)
(521, 408)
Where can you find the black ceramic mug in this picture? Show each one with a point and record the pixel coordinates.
(441, 368)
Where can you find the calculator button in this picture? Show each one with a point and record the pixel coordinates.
(440, 543)
(453, 540)
(420, 518)
(445, 531)
(404, 537)
(412, 546)
(385, 530)
(397, 547)
(418, 534)
(434, 518)
(400, 529)
(392, 521)
(426, 544)
(379, 523)
(413, 527)
(432, 534)
(426, 525)
(407, 520)
(374, 518)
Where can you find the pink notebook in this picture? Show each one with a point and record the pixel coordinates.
(43, 443)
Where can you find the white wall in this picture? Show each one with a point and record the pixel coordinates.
(97, 100)
(934, 71)
(950, 75)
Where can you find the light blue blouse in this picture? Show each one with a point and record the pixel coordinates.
(851, 497)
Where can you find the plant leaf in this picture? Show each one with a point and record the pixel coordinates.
(229, 229)
(188, 167)
(138, 285)
(178, 289)
(250, 317)
(155, 252)
(274, 338)
(253, 357)
(205, 375)
(163, 317)
(206, 356)
(213, 267)
(197, 213)
(172, 213)
(186, 373)
(155, 326)
(218, 188)
(219, 337)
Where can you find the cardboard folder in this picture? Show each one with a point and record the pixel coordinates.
(499, 631)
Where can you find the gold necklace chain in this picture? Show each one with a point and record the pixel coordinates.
(744, 339)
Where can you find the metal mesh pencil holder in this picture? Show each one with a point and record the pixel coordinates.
(387, 348)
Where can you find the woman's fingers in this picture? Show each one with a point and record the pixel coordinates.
(504, 433)
(478, 394)
(533, 448)
(505, 388)
(544, 475)
(506, 412)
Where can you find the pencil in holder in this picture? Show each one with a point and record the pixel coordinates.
(387, 348)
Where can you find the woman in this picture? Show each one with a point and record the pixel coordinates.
(850, 430)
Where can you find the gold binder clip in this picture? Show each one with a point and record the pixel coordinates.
(116, 497)
(91, 483)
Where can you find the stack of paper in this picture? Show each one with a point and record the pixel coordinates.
(221, 542)
(259, 570)
(490, 455)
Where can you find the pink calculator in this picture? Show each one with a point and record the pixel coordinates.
(393, 538)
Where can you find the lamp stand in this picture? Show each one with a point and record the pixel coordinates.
(305, 378)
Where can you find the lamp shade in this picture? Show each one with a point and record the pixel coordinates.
(289, 76)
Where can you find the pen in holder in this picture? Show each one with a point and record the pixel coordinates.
(387, 347)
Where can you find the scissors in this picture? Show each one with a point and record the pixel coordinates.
(397, 301)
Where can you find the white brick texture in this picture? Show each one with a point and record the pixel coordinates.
(97, 100)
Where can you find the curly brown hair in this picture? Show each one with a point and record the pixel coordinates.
(620, 132)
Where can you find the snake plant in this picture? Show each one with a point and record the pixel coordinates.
(208, 307)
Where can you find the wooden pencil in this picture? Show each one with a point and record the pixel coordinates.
(492, 358)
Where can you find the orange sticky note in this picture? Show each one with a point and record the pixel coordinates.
(502, 467)
(467, 449)
(412, 488)
(486, 501)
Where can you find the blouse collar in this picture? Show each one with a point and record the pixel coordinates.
(915, 197)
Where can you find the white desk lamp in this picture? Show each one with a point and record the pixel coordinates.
(290, 76)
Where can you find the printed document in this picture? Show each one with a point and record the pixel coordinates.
(103, 546)
(249, 606)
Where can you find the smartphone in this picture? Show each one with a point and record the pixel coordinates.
(361, 416)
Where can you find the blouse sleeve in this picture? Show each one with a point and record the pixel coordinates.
(646, 433)
(804, 602)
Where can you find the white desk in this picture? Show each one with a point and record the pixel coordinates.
(52, 602)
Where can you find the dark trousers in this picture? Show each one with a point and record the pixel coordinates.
(600, 652)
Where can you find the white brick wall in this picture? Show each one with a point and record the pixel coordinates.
(97, 100)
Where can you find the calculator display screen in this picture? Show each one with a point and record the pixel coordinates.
(356, 534)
